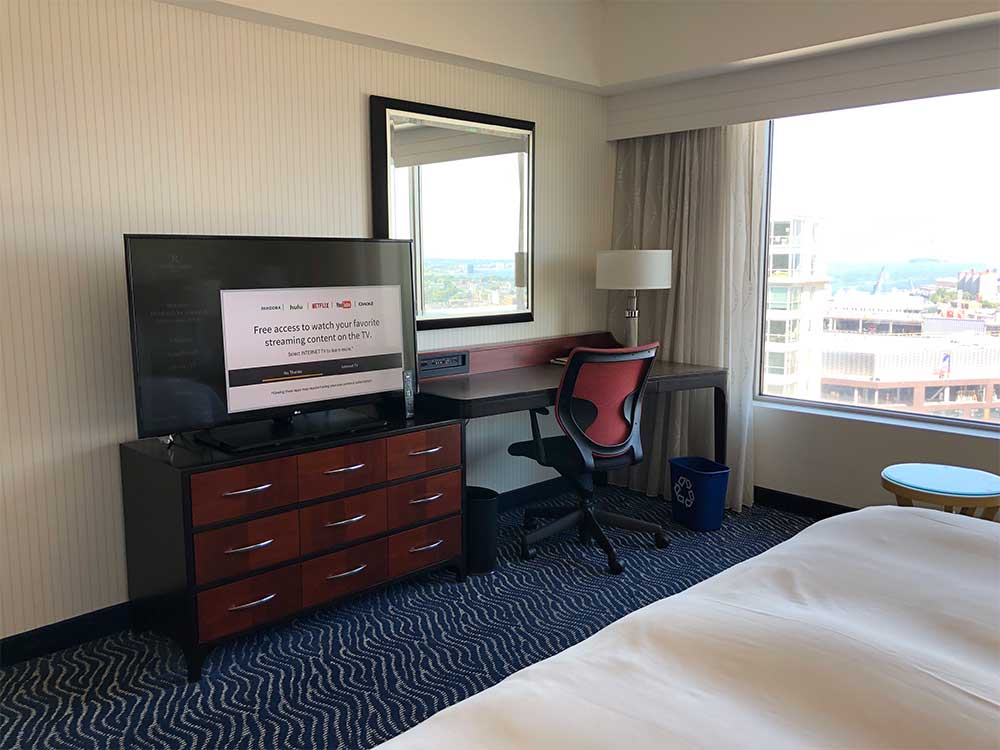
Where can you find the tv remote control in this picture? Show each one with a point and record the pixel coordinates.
(409, 392)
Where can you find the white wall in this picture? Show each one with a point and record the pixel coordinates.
(840, 458)
(136, 116)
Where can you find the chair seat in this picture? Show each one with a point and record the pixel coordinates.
(562, 455)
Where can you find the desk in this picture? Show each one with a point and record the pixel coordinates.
(534, 387)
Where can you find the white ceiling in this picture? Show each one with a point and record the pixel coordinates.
(608, 47)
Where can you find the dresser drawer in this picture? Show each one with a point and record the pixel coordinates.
(341, 521)
(336, 470)
(427, 450)
(243, 547)
(424, 545)
(423, 499)
(230, 493)
(252, 601)
(344, 572)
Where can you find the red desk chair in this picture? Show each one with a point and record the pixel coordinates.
(598, 406)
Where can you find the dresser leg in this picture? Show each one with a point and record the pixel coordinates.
(195, 657)
(460, 572)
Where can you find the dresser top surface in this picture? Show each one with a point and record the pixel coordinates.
(188, 455)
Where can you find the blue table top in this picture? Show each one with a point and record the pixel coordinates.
(944, 480)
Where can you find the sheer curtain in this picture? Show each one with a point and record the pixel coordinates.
(701, 194)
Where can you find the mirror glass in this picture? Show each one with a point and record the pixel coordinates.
(461, 190)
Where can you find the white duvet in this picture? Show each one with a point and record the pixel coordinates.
(874, 629)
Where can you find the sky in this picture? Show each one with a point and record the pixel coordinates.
(471, 208)
(895, 182)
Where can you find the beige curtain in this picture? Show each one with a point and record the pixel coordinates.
(701, 194)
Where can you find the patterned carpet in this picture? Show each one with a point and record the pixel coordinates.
(356, 675)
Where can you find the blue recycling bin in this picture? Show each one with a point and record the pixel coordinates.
(698, 492)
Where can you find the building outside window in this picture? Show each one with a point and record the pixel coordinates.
(883, 259)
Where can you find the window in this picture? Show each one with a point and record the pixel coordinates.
(782, 331)
(883, 258)
(781, 363)
(783, 297)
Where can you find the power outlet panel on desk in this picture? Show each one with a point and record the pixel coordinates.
(447, 363)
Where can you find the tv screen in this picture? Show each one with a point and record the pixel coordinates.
(235, 329)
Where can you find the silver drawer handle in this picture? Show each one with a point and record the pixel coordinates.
(345, 521)
(426, 451)
(429, 499)
(346, 573)
(250, 605)
(250, 548)
(426, 547)
(342, 469)
(248, 490)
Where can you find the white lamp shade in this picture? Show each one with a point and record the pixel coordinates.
(633, 269)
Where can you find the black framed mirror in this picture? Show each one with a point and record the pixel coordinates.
(461, 186)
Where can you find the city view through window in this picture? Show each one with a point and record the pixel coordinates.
(883, 260)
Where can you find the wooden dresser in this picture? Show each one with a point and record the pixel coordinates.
(219, 544)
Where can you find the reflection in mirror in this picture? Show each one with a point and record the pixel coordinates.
(461, 190)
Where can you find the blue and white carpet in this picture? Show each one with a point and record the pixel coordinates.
(355, 675)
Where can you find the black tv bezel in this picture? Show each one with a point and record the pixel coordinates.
(283, 412)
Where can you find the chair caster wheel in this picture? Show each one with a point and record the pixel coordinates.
(661, 541)
(528, 553)
(615, 567)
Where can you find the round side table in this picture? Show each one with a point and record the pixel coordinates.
(953, 487)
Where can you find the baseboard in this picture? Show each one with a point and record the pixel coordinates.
(533, 493)
(803, 506)
(64, 634)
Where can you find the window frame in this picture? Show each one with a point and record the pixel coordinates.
(814, 406)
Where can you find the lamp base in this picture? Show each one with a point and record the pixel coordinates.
(632, 332)
(632, 320)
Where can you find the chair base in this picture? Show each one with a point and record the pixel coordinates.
(588, 522)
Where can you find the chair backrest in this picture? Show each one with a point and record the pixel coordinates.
(599, 403)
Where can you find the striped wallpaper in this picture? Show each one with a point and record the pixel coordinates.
(135, 116)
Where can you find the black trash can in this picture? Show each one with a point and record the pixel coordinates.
(481, 529)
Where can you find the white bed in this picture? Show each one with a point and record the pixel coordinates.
(873, 629)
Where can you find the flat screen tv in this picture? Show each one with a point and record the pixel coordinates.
(233, 330)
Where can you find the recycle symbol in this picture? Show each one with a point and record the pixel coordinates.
(684, 492)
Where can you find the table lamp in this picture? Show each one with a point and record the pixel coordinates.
(633, 270)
